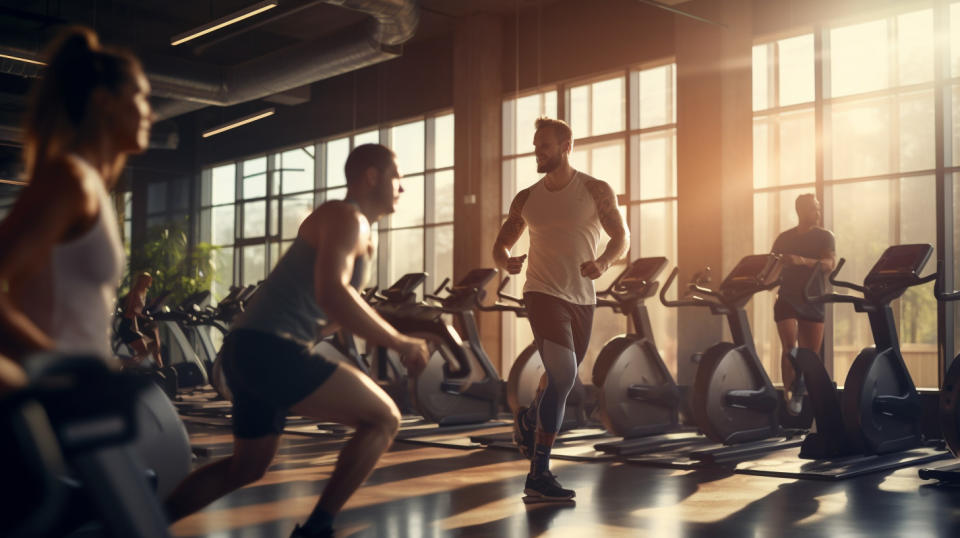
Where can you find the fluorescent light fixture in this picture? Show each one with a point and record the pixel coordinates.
(242, 121)
(23, 59)
(12, 181)
(227, 20)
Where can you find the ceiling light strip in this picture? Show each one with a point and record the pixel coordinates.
(242, 121)
(12, 181)
(227, 20)
(23, 59)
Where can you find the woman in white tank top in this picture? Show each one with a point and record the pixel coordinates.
(60, 252)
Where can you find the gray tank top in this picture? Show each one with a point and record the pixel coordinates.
(286, 303)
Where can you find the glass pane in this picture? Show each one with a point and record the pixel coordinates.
(603, 160)
(296, 170)
(654, 162)
(917, 142)
(798, 152)
(858, 58)
(337, 152)
(224, 180)
(222, 225)
(440, 264)
(255, 178)
(406, 252)
(443, 196)
(274, 217)
(761, 76)
(796, 82)
(254, 219)
(368, 137)
(653, 231)
(295, 209)
(254, 264)
(179, 195)
(861, 237)
(336, 194)
(609, 106)
(410, 208)
(518, 174)
(955, 40)
(223, 272)
(407, 142)
(519, 116)
(955, 124)
(763, 156)
(656, 96)
(443, 141)
(861, 138)
(579, 105)
(915, 46)
(157, 197)
(274, 255)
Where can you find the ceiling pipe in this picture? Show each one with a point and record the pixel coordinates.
(190, 85)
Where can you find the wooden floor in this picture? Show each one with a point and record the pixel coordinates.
(427, 491)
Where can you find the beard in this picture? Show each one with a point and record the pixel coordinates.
(549, 165)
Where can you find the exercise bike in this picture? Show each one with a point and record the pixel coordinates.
(638, 396)
(459, 385)
(732, 399)
(878, 411)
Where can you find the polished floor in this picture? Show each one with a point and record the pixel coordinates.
(419, 491)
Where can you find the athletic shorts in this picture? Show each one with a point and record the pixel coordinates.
(563, 323)
(267, 375)
(784, 310)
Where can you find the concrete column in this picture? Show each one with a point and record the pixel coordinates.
(477, 130)
(714, 148)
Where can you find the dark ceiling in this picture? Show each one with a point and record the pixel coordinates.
(146, 28)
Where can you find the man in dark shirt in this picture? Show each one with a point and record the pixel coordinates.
(805, 248)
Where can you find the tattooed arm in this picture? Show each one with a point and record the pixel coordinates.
(510, 232)
(615, 226)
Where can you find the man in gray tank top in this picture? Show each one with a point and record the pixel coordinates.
(565, 212)
(267, 356)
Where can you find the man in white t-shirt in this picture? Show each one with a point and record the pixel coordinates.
(566, 212)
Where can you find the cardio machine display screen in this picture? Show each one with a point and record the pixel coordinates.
(407, 283)
(477, 278)
(643, 270)
(901, 261)
(758, 268)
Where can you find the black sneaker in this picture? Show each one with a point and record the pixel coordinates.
(797, 391)
(300, 532)
(545, 488)
(524, 434)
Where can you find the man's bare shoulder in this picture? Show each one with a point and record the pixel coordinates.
(332, 219)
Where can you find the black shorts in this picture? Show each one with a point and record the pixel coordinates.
(784, 310)
(126, 333)
(563, 323)
(267, 375)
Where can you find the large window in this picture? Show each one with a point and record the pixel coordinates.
(874, 119)
(624, 129)
(252, 209)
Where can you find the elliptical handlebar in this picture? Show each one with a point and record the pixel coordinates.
(519, 310)
(831, 297)
(842, 283)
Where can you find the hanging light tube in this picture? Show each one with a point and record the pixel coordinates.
(12, 181)
(226, 20)
(23, 59)
(238, 122)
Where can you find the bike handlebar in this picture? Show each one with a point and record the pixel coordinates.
(696, 301)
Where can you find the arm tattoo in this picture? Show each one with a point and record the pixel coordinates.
(513, 227)
(607, 211)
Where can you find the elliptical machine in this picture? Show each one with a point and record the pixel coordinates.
(880, 405)
(733, 400)
(638, 396)
(459, 385)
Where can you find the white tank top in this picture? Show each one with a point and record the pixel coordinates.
(564, 233)
(84, 275)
